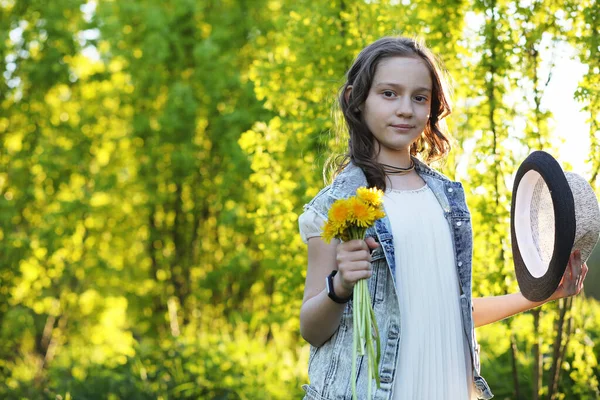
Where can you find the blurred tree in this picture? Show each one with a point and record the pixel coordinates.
(155, 157)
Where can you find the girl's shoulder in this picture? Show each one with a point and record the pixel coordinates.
(343, 185)
(423, 168)
(320, 197)
(314, 211)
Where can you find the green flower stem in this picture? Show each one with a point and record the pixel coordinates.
(364, 328)
(360, 322)
(370, 358)
(354, 346)
(377, 357)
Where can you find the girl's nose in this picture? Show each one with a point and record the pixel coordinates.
(404, 107)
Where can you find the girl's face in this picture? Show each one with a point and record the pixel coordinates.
(397, 107)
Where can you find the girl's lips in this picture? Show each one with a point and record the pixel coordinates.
(403, 128)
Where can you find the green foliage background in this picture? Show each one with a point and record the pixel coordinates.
(156, 155)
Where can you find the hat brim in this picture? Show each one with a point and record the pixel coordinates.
(536, 284)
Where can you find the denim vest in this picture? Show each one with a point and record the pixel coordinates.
(330, 365)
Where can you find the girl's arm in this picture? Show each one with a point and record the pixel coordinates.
(487, 310)
(491, 309)
(320, 316)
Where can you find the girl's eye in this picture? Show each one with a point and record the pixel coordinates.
(388, 93)
(421, 99)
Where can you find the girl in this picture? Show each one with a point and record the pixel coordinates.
(417, 259)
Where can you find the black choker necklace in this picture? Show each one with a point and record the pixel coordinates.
(391, 170)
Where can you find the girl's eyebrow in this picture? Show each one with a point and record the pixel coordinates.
(398, 86)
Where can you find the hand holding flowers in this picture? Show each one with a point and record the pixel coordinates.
(348, 220)
(354, 263)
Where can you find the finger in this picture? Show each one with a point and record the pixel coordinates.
(358, 244)
(355, 244)
(372, 243)
(359, 255)
(360, 266)
(354, 266)
(578, 264)
(573, 264)
(355, 276)
(569, 269)
(584, 270)
(577, 257)
(570, 285)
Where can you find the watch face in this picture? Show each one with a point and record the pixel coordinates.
(329, 282)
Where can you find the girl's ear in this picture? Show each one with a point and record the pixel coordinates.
(347, 93)
(347, 97)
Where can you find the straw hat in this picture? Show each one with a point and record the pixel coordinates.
(553, 213)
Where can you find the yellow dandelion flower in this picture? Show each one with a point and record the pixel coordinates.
(330, 231)
(349, 218)
(371, 196)
(362, 214)
(378, 213)
(339, 211)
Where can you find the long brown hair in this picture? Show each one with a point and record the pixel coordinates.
(434, 142)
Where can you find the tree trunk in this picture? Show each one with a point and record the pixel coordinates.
(559, 348)
(537, 356)
(513, 350)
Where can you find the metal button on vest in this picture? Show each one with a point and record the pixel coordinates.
(460, 263)
(450, 190)
(459, 223)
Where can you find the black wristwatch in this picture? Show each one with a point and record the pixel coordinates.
(331, 293)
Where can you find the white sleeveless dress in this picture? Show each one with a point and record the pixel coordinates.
(434, 360)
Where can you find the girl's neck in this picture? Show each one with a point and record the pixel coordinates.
(401, 160)
(410, 181)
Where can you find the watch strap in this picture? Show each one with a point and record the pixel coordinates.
(331, 292)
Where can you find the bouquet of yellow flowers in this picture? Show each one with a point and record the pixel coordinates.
(349, 219)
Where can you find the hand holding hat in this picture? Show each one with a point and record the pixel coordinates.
(555, 225)
(572, 280)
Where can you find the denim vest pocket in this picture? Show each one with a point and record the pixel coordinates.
(389, 352)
